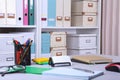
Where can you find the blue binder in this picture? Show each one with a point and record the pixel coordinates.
(30, 12)
(51, 13)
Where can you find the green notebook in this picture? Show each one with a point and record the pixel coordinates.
(35, 70)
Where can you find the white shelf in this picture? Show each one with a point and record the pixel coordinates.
(69, 27)
(14, 26)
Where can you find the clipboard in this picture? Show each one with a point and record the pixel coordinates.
(91, 59)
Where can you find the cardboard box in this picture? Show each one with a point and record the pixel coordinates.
(59, 51)
(84, 6)
(84, 19)
(58, 39)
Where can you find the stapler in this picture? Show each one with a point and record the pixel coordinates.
(56, 61)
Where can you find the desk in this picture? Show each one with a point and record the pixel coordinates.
(107, 74)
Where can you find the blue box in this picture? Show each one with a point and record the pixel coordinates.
(45, 48)
(33, 48)
(45, 43)
(45, 38)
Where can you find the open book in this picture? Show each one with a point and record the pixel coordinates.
(73, 73)
(91, 59)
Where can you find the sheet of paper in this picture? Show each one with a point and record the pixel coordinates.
(73, 73)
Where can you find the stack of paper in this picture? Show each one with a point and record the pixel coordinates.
(73, 73)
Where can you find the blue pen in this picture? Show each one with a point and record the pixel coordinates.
(27, 42)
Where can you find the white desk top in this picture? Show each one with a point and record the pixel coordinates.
(107, 74)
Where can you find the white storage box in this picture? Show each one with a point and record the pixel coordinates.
(81, 41)
(84, 6)
(59, 51)
(24, 36)
(58, 39)
(7, 58)
(7, 49)
(6, 43)
(81, 51)
(84, 20)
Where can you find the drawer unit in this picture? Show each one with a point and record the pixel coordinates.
(84, 20)
(58, 39)
(6, 43)
(81, 41)
(59, 51)
(6, 58)
(81, 51)
(7, 50)
(84, 5)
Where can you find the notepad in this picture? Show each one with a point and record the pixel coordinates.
(91, 59)
(72, 73)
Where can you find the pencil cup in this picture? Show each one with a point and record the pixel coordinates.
(22, 54)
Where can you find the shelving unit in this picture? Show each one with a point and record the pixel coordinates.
(38, 28)
(80, 29)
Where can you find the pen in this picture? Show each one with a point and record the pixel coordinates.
(85, 70)
(25, 51)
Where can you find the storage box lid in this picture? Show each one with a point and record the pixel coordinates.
(84, 13)
(58, 48)
(85, 35)
(58, 33)
(85, 0)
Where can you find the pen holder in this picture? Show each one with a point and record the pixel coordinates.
(22, 54)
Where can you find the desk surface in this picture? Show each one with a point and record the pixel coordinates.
(107, 74)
